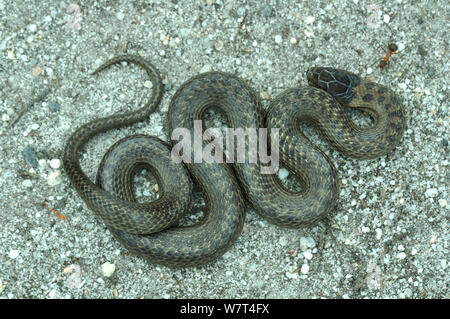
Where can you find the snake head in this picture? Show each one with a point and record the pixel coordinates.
(339, 83)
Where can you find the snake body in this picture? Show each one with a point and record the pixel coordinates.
(148, 228)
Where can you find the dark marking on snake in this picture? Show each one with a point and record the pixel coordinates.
(367, 97)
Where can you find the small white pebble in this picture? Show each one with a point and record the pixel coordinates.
(278, 39)
(431, 192)
(148, 84)
(400, 47)
(402, 86)
(55, 163)
(42, 163)
(401, 201)
(108, 269)
(310, 19)
(365, 229)
(401, 255)
(369, 70)
(306, 243)
(386, 18)
(292, 272)
(442, 202)
(34, 126)
(120, 15)
(413, 251)
(305, 269)
(283, 173)
(206, 68)
(401, 247)
(11, 55)
(293, 40)
(13, 253)
(164, 37)
(27, 183)
(291, 275)
(5, 117)
(54, 178)
(379, 233)
(52, 294)
(307, 255)
(32, 28)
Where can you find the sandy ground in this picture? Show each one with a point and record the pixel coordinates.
(386, 238)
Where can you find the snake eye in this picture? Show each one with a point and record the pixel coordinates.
(337, 82)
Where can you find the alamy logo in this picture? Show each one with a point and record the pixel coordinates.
(251, 146)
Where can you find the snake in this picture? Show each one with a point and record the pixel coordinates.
(152, 230)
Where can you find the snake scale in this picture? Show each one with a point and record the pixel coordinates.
(148, 229)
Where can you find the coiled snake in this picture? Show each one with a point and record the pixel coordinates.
(147, 228)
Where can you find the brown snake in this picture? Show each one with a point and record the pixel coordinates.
(147, 228)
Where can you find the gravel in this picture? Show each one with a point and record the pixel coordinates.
(52, 246)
